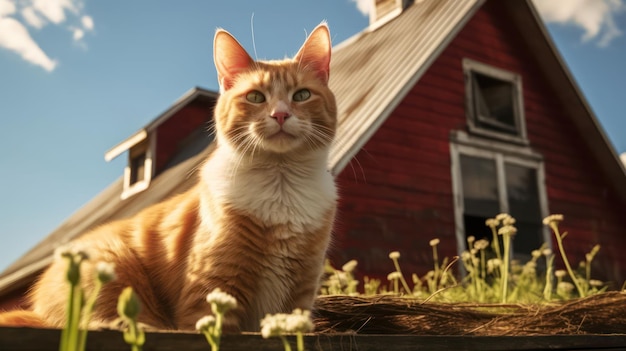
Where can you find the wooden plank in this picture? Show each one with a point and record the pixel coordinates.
(22, 339)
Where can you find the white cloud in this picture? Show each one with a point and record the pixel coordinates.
(54, 10)
(87, 22)
(595, 17)
(78, 34)
(364, 6)
(32, 18)
(14, 35)
(6, 8)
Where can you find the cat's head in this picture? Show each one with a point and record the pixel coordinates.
(275, 106)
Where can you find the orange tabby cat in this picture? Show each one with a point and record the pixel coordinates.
(257, 224)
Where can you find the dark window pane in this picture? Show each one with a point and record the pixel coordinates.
(480, 194)
(494, 104)
(523, 197)
(137, 168)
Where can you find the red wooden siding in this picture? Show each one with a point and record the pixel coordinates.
(397, 193)
(175, 130)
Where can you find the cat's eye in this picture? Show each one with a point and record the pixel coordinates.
(301, 95)
(255, 96)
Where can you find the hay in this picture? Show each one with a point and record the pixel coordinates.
(598, 314)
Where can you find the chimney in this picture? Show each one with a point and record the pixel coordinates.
(385, 10)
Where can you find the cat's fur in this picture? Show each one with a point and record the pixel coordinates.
(257, 225)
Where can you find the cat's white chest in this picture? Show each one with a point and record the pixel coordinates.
(297, 194)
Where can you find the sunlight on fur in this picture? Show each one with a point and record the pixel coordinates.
(257, 224)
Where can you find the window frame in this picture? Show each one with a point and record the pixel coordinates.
(147, 147)
(471, 66)
(461, 143)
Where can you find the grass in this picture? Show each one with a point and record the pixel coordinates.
(490, 274)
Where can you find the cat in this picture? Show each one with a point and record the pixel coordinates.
(258, 223)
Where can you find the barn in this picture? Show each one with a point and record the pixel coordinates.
(450, 112)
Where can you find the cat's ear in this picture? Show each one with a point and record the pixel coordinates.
(315, 52)
(230, 58)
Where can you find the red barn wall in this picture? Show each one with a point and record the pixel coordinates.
(397, 193)
(178, 127)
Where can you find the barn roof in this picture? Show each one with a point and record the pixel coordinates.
(371, 73)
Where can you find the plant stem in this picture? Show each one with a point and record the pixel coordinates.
(72, 338)
(300, 341)
(134, 346)
(404, 283)
(547, 291)
(219, 318)
(559, 241)
(209, 338)
(65, 334)
(87, 312)
(505, 263)
(495, 243)
(286, 344)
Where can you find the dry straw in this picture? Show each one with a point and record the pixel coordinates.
(603, 313)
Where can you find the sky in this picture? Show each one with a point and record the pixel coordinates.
(79, 76)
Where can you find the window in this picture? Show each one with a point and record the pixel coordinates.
(488, 180)
(494, 102)
(138, 172)
(137, 168)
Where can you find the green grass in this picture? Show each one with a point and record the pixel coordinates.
(485, 273)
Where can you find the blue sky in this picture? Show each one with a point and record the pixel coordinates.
(79, 76)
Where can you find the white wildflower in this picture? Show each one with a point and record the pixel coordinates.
(394, 275)
(547, 252)
(502, 216)
(493, 264)
(508, 221)
(481, 244)
(394, 255)
(434, 242)
(204, 323)
(595, 283)
(560, 273)
(565, 287)
(273, 325)
(471, 239)
(554, 218)
(492, 222)
(74, 251)
(507, 230)
(105, 271)
(298, 321)
(220, 301)
(349, 266)
(535, 253)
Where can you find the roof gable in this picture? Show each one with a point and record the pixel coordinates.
(372, 72)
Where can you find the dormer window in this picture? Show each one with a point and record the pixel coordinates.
(173, 137)
(137, 164)
(139, 170)
(383, 11)
(494, 102)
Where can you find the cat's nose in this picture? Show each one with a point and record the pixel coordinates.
(280, 116)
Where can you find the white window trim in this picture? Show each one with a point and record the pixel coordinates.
(470, 66)
(149, 167)
(376, 22)
(500, 152)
